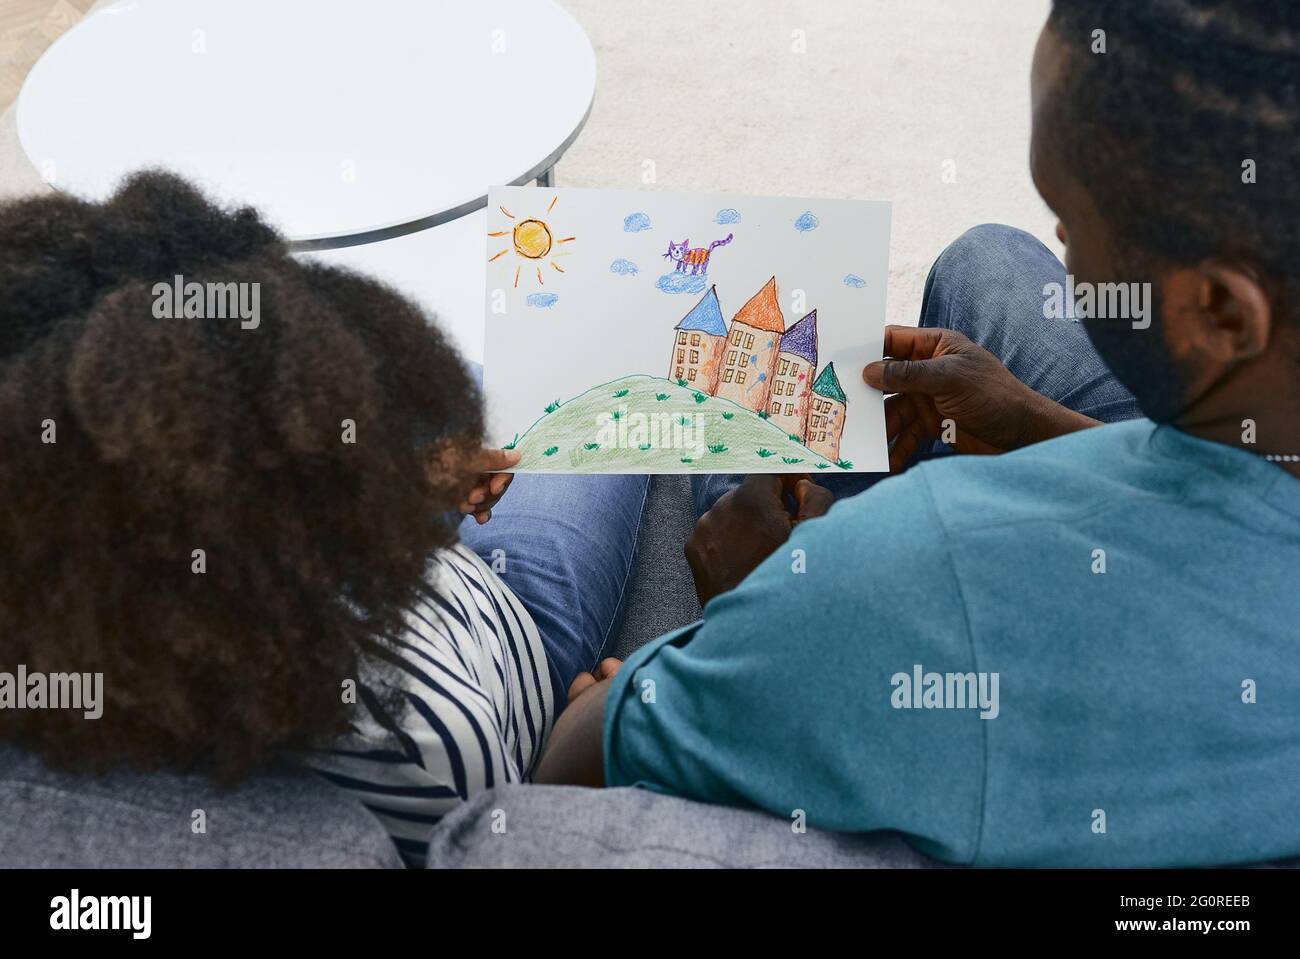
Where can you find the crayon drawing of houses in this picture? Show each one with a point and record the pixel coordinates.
(765, 368)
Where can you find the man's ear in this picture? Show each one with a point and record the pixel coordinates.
(1217, 311)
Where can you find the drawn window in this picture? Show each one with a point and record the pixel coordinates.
(776, 409)
(681, 356)
(726, 377)
(695, 356)
(749, 341)
(740, 377)
(794, 369)
(695, 339)
(744, 358)
(691, 375)
(681, 337)
(679, 373)
(789, 409)
(735, 337)
(731, 358)
(785, 366)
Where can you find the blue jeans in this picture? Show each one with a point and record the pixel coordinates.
(988, 284)
(567, 545)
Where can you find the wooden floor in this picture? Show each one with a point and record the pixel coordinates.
(27, 27)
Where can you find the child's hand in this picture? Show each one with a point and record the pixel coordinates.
(487, 486)
(607, 669)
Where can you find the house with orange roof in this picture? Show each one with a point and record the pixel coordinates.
(750, 357)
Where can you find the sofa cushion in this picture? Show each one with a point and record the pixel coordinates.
(558, 826)
(282, 818)
(524, 826)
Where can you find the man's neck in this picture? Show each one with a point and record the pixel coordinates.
(1274, 437)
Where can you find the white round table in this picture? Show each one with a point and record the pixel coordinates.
(343, 121)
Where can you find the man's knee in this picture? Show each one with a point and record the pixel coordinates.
(980, 259)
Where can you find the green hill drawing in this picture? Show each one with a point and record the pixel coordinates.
(647, 424)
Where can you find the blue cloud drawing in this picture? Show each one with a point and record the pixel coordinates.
(543, 301)
(682, 283)
(854, 281)
(624, 268)
(806, 222)
(635, 223)
(727, 215)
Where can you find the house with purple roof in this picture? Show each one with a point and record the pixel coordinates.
(796, 364)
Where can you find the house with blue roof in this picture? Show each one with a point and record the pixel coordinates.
(701, 337)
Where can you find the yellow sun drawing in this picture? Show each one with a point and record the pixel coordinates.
(532, 241)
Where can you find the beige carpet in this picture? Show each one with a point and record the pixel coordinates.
(885, 95)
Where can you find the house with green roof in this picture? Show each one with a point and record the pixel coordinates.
(826, 414)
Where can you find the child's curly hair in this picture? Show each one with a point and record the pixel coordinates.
(175, 435)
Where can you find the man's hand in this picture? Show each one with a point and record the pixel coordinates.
(746, 525)
(941, 375)
(486, 487)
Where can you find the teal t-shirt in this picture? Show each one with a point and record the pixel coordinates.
(1083, 653)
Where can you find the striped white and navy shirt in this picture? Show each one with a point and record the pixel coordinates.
(479, 705)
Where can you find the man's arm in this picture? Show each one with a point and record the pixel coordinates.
(729, 542)
(574, 753)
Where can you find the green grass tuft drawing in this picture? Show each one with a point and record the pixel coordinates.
(762, 414)
(823, 466)
(765, 453)
(552, 407)
(620, 394)
(681, 382)
(795, 438)
(844, 464)
(512, 444)
(657, 428)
